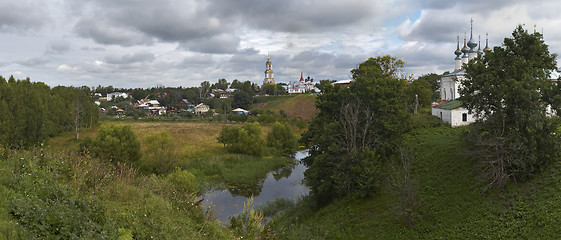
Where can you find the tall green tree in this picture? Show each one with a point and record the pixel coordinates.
(356, 129)
(509, 90)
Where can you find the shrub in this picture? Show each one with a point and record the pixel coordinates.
(159, 153)
(282, 138)
(246, 140)
(117, 143)
(182, 180)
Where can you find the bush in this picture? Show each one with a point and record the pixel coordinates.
(245, 140)
(159, 153)
(117, 143)
(182, 180)
(282, 138)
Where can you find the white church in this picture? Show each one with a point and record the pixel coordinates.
(450, 109)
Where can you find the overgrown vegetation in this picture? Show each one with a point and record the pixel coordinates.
(32, 112)
(509, 90)
(67, 196)
(450, 203)
(356, 130)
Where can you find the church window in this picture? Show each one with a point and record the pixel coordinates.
(464, 117)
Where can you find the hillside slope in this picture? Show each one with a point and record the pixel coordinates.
(450, 204)
(300, 106)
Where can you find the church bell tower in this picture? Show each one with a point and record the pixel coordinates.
(268, 72)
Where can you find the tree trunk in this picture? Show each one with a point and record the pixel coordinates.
(77, 117)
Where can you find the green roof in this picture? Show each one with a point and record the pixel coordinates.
(451, 105)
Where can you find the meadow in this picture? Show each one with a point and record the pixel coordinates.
(196, 149)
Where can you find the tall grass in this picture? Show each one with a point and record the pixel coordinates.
(450, 203)
(50, 195)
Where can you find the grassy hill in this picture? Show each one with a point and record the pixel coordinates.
(300, 106)
(450, 204)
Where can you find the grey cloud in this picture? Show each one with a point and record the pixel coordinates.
(130, 58)
(223, 43)
(59, 47)
(438, 28)
(110, 33)
(295, 15)
(197, 62)
(97, 49)
(34, 62)
(473, 6)
(127, 23)
(22, 15)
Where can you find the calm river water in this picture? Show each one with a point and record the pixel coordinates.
(281, 183)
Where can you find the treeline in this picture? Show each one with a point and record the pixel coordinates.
(31, 112)
(170, 96)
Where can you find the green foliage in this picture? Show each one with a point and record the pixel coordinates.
(31, 112)
(323, 84)
(432, 80)
(183, 180)
(61, 196)
(242, 99)
(509, 90)
(117, 143)
(125, 234)
(276, 89)
(356, 129)
(423, 91)
(246, 140)
(282, 138)
(450, 204)
(249, 224)
(159, 153)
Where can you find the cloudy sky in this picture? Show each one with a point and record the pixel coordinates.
(148, 43)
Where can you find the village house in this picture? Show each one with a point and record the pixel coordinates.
(150, 107)
(114, 95)
(185, 105)
(240, 111)
(201, 108)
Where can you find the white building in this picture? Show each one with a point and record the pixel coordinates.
(450, 109)
(113, 95)
(302, 86)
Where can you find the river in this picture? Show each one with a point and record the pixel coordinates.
(281, 183)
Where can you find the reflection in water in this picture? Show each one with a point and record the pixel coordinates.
(282, 183)
(246, 189)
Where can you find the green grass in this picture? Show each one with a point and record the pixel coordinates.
(47, 195)
(301, 106)
(450, 203)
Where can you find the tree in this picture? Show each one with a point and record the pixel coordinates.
(117, 143)
(221, 84)
(245, 140)
(356, 129)
(432, 80)
(509, 91)
(282, 138)
(323, 83)
(204, 90)
(242, 99)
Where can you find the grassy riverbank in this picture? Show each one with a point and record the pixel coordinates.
(449, 203)
(46, 195)
(195, 149)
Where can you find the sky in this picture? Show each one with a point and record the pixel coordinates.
(172, 43)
